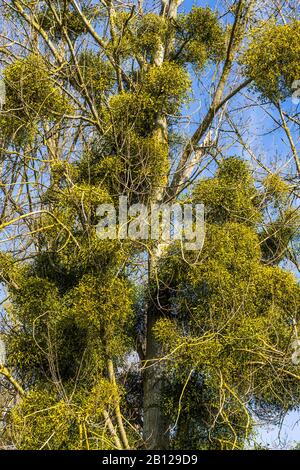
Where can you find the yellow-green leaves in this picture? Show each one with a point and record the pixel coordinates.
(168, 85)
(31, 96)
(278, 234)
(151, 32)
(200, 37)
(96, 305)
(31, 90)
(276, 187)
(229, 331)
(46, 419)
(98, 76)
(272, 59)
(70, 20)
(156, 94)
(231, 195)
(138, 159)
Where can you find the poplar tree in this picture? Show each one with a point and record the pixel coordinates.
(122, 344)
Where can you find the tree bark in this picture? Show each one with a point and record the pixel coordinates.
(156, 435)
(155, 424)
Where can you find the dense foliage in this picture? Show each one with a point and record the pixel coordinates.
(96, 329)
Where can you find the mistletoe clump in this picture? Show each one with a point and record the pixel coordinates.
(272, 59)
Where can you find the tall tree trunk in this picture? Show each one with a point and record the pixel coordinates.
(156, 425)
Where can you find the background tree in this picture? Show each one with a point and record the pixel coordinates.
(120, 344)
